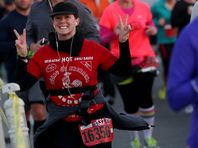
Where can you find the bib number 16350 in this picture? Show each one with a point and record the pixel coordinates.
(97, 132)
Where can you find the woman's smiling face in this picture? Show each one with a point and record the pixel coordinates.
(65, 25)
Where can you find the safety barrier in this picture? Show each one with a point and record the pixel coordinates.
(15, 115)
(2, 116)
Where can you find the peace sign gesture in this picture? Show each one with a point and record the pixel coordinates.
(123, 29)
(21, 44)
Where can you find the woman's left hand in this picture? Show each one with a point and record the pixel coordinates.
(151, 30)
(123, 29)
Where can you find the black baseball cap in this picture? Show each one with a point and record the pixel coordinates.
(64, 8)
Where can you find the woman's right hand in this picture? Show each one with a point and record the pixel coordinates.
(21, 44)
(123, 29)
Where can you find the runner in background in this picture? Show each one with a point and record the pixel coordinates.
(180, 17)
(2, 9)
(182, 87)
(166, 35)
(9, 6)
(13, 20)
(135, 90)
(181, 14)
(6, 6)
(194, 11)
(97, 7)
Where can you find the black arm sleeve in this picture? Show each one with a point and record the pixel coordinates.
(122, 67)
(23, 78)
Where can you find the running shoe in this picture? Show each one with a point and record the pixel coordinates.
(162, 93)
(135, 143)
(150, 142)
(188, 109)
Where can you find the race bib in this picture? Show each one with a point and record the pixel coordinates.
(97, 132)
